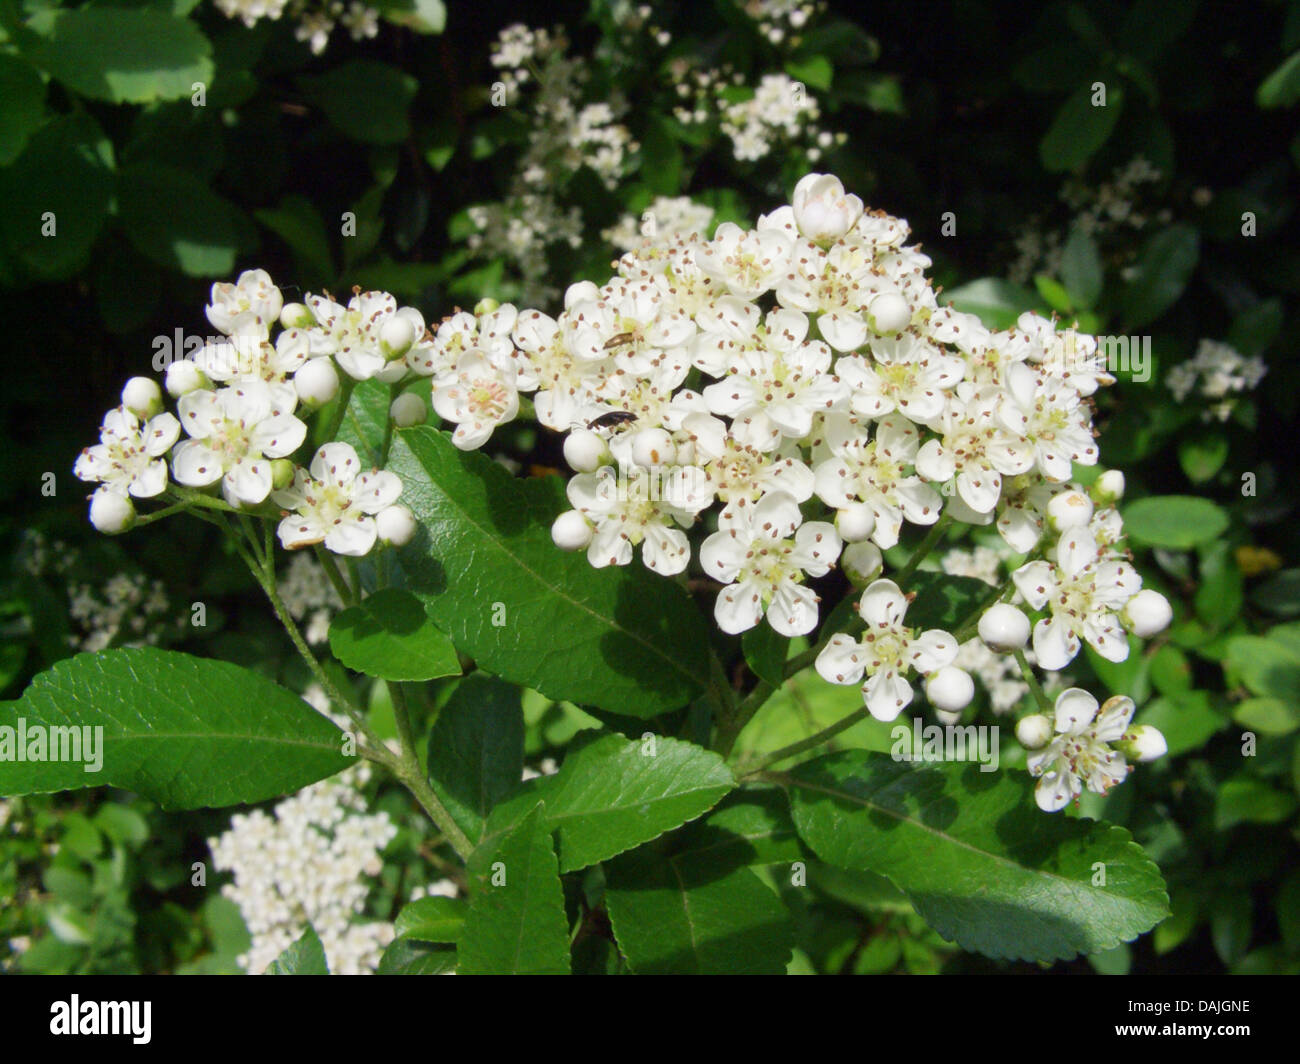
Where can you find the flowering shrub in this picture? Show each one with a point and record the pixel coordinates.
(773, 597)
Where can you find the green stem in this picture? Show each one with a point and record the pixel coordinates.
(335, 577)
(970, 623)
(387, 442)
(825, 735)
(928, 544)
(413, 776)
(1040, 695)
(340, 412)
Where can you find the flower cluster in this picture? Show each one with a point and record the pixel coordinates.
(1084, 746)
(780, 21)
(316, 18)
(237, 401)
(1218, 373)
(802, 378)
(309, 863)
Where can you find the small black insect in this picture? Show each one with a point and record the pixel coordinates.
(612, 419)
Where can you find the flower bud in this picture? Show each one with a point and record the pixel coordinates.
(822, 210)
(1034, 731)
(861, 563)
(142, 397)
(950, 689)
(1143, 743)
(281, 474)
(395, 525)
(408, 409)
(296, 316)
(1108, 488)
(855, 522)
(1147, 613)
(317, 382)
(585, 451)
(889, 313)
(1003, 627)
(183, 377)
(653, 447)
(111, 512)
(571, 531)
(485, 306)
(947, 716)
(396, 337)
(1069, 509)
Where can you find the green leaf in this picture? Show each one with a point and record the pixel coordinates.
(1161, 274)
(1250, 801)
(680, 916)
(366, 100)
(476, 750)
(981, 863)
(615, 794)
(422, 16)
(298, 223)
(815, 71)
(22, 106)
(1176, 521)
(409, 956)
(1269, 667)
(178, 221)
(1282, 87)
(1255, 329)
(942, 600)
(432, 919)
(125, 55)
(1054, 293)
(183, 731)
(491, 578)
(388, 635)
(1186, 719)
(1081, 271)
(1272, 716)
(1080, 129)
(515, 924)
(304, 957)
(1279, 594)
(1202, 456)
(747, 827)
(765, 652)
(64, 178)
(998, 303)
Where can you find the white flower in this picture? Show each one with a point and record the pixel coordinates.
(1083, 592)
(624, 514)
(904, 374)
(253, 295)
(1080, 754)
(886, 653)
(762, 553)
(128, 457)
(1053, 416)
(352, 333)
(333, 503)
(748, 262)
(871, 470)
(233, 432)
(975, 447)
(479, 397)
(777, 390)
